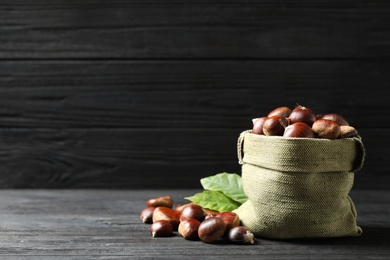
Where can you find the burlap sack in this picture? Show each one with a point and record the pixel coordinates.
(298, 187)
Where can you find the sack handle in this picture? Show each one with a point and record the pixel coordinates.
(240, 143)
(360, 156)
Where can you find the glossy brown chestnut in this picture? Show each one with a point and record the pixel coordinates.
(180, 208)
(193, 211)
(164, 201)
(164, 213)
(161, 228)
(188, 228)
(299, 129)
(231, 219)
(146, 215)
(324, 128)
(280, 111)
(302, 114)
(258, 125)
(275, 125)
(211, 229)
(240, 235)
(339, 119)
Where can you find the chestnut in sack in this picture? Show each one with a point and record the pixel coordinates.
(298, 187)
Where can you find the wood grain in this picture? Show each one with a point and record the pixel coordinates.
(143, 158)
(152, 94)
(194, 30)
(104, 224)
(120, 158)
(187, 94)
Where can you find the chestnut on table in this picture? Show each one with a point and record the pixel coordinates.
(105, 224)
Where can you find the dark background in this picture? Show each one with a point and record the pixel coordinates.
(153, 94)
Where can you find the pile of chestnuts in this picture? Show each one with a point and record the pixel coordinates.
(194, 222)
(303, 122)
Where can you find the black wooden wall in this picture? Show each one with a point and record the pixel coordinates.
(146, 93)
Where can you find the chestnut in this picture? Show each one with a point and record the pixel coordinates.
(164, 201)
(161, 228)
(240, 235)
(180, 208)
(188, 229)
(299, 129)
(258, 125)
(280, 111)
(325, 128)
(231, 219)
(275, 125)
(146, 215)
(164, 213)
(347, 131)
(339, 119)
(210, 213)
(193, 211)
(302, 114)
(211, 229)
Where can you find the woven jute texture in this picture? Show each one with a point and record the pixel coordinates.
(298, 187)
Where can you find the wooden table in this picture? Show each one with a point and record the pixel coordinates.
(105, 224)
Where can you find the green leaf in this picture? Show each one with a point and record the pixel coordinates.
(228, 183)
(214, 200)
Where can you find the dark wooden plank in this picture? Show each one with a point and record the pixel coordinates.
(114, 158)
(187, 94)
(78, 109)
(172, 29)
(142, 158)
(74, 224)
